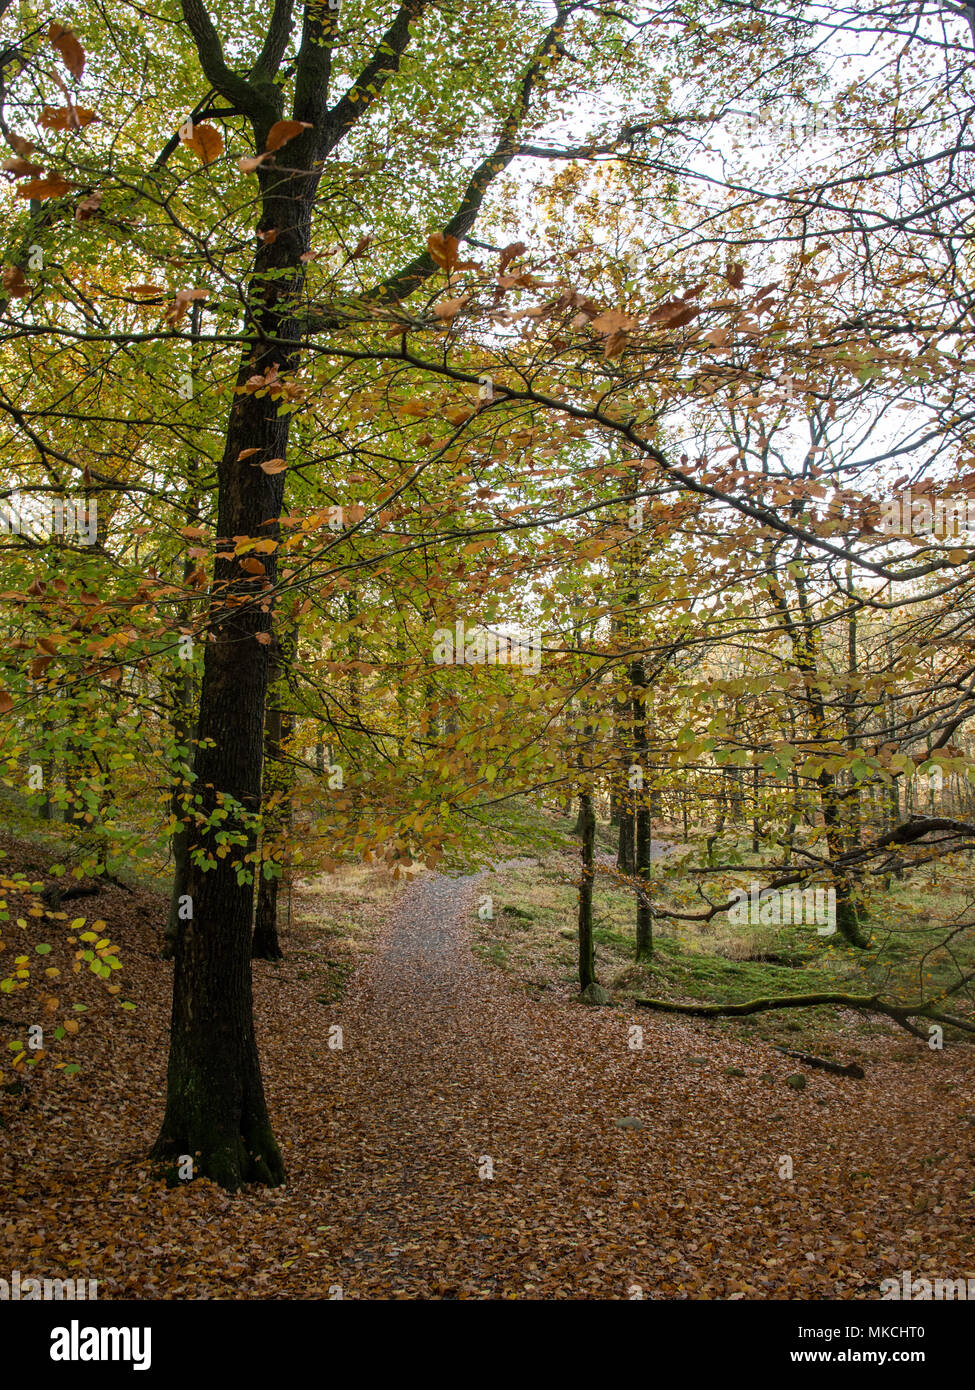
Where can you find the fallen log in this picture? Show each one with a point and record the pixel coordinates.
(851, 1069)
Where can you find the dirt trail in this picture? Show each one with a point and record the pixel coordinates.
(449, 1072)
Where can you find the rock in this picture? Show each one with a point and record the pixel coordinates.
(628, 1122)
(697, 1061)
(569, 935)
(595, 994)
(767, 1076)
(733, 1071)
(797, 1081)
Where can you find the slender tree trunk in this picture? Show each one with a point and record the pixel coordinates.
(587, 960)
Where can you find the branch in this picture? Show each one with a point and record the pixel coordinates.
(276, 42)
(413, 275)
(369, 85)
(238, 91)
(864, 1003)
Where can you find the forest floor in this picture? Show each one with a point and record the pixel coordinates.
(472, 1140)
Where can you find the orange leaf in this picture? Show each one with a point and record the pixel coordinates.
(283, 131)
(65, 118)
(53, 187)
(6, 702)
(246, 454)
(177, 310)
(444, 250)
(273, 466)
(71, 51)
(248, 163)
(252, 566)
(511, 253)
(204, 140)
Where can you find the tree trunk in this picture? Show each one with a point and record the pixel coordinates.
(215, 1107)
(587, 962)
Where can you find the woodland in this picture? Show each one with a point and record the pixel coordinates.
(487, 584)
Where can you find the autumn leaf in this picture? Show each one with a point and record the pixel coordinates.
(65, 117)
(176, 311)
(21, 168)
(87, 208)
(511, 253)
(52, 187)
(614, 321)
(16, 283)
(20, 145)
(71, 51)
(283, 131)
(246, 454)
(444, 250)
(735, 275)
(273, 466)
(6, 702)
(248, 162)
(252, 566)
(203, 139)
(449, 308)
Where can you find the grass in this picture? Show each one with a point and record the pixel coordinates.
(533, 937)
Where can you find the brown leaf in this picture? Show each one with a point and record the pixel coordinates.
(88, 206)
(16, 283)
(735, 275)
(511, 253)
(52, 187)
(6, 702)
(450, 308)
(65, 117)
(71, 51)
(283, 131)
(246, 454)
(273, 466)
(252, 566)
(614, 321)
(21, 168)
(20, 145)
(248, 163)
(444, 250)
(615, 343)
(177, 310)
(204, 140)
(263, 637)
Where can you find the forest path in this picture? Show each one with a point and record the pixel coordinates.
(473, 1146)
